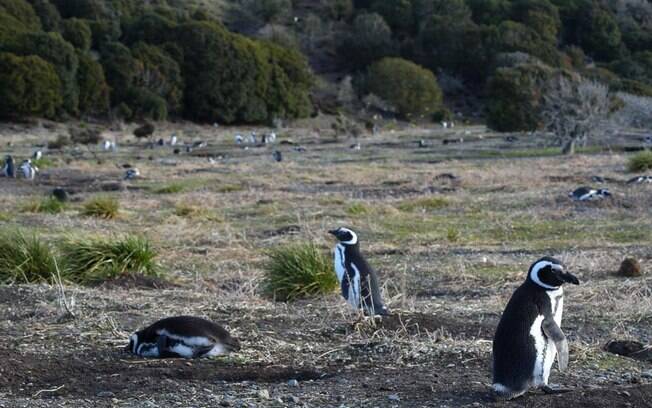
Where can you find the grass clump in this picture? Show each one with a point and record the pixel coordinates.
(357, 209)
(100, 258)
(172, 188)
(49, 205)
(25, 258)
(641, 161)
(424, 204)
(102, 207)
(298, 271)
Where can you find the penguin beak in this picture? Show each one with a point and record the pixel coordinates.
(566, 277)
(333, 232)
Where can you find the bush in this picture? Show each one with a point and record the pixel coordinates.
(397, 13)
(60, 142)
(514, 98)
(48, 14)
(23, 12)
(298, 271)
(28, 86)
(640, 162)
(102, 207)
(93, 89)
(599, 34)
(78, 33)
(96, 259)
(25, 258)
(86, 135)
(49, 205)
(370, 39)
(160, 75)
(412, 90)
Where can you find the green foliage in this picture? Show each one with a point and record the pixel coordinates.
(599, 34)
(370, 39)
(411, 89)
(340, 9)
(23, 12)
(102, 207)
(424, 204)
(160, 74)
(539, 15)
(640, 162)
(25, 258)
(397, 13)
(48, 14)
(78, 33)
(94, 259)
(515, 96)
(298, 271)
(93, 89)
(49, 205)
(271, 10)
(28, 86)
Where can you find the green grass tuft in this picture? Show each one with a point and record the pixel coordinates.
(99, 258)
(298, 271)
(357, 209)
(49, 205)
(171, 188)
(102, 207)
(25, 258)
(641, 161)
(424, 204)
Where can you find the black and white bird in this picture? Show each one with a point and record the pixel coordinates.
(640, 180)
(355, 146)
(173, 139)
(589, 194)
(37, 155)
(132, 173)
(28, 170)
(277, 155)
(239, 139)
(529, 337)
(109, 146)
(252, 138)
(9, 168)
(161, 142)
(358, 281)
(182, 336)
(60, 194)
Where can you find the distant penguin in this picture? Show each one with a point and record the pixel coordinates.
(28, 170)
(173, 139)
(355, 146)
(182, 336)
(60, 194)
(358, 281)
(529, 336)
(132, 174)
(271, 138)
(640, 180)
(37, 155)
(589, 194)
(188, 148)
(9, 169)
(199, 144)
(176, 151)
(299, 149)
(423, 143)
(239, 139)
(252, 138)
(278, 156)
(161, 142)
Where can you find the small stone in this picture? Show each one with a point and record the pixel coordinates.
(630, 268)
(225, 403)
(263, 394)
(293, 383)
(394, 397)
(646, 374)
(105, 394)
(294, 399)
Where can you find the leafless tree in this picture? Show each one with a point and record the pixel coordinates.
(574, 108)
(636, 111)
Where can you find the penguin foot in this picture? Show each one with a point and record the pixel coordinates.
(554, 389)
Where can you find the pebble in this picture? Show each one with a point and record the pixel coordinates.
(105, 394)
(394, 397)
(264, 394)
(293, 383)
(646, 374)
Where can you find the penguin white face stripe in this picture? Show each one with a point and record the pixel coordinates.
(353, 240)
(534, 275)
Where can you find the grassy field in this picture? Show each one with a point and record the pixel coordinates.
(449, 250)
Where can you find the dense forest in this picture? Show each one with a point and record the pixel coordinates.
(254, 61)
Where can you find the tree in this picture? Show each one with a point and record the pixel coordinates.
(370, 39)
(636, 111)
(573, 108)
(397, 13)
(23, 12)
(48, 14)
(599, 34)
(540, 15)
(78, 33)
(93, 89)
(28, 86)
(410, 88)
(160, 74)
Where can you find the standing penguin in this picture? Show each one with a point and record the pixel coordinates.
(529, 336)
(182, 336)
(9, 169)
(358, 280)
(28, 169)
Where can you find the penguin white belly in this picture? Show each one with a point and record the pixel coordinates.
(541, 346)
(354, 289)
(340, 269)
(545, 347)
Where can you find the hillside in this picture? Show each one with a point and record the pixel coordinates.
(254, 61)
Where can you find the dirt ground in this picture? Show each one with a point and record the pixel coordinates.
(449, 250)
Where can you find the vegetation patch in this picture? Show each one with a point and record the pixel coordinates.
(171, 188)
(25, 258)
(48, 205)
(102, 207)
(357, 209)
(424, 204)
(96, 259)
(640, 162)
(298, 271)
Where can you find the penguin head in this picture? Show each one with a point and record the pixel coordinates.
(604, 192)
(549, 274)
(345, 236)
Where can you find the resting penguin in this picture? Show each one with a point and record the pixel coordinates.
(182, 336)
(358, 280)
(9, 169)
(589, 194)
(528, 335)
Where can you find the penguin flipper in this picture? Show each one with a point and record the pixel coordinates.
(552, 331)
(162, 345)
(201, 351)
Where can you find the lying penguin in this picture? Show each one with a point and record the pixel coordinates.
(589, 194)
(182, 336)
(529, 337)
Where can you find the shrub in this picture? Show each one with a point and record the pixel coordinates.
(86, 135)
(28, 86)
(102, 207)
(60, 142)
(171, 188)
(48, 205)
(599, 34)
(25, 258)
(23, 12)
(48, 14)
(397, 13)
(78, 33)
(370, 39)
(95, 259)
(640, 162)
(298, 271)
(160, 74)
(412, 90)
(93, 89)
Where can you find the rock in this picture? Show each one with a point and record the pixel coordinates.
(263, 394)
(105, 394)
(293, 383)
(646, 374)
(394, 397)
(630, 348)
(629, 268)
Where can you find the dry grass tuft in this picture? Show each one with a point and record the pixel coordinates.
(102, 207)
